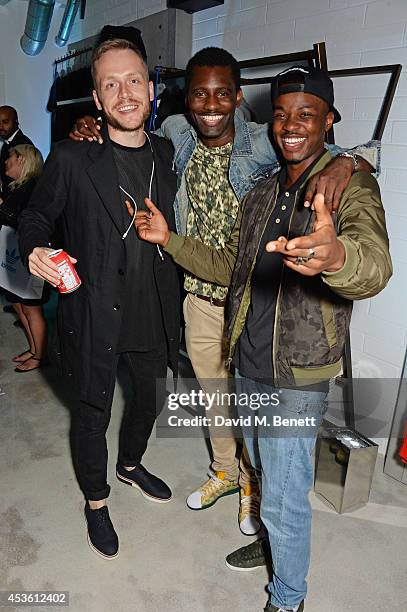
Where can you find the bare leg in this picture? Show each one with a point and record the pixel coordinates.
(38, 330)
(20, 358)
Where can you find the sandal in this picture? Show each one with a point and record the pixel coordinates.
(17, 358)
(41, 362)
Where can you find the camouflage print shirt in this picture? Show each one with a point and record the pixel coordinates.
(213, 207)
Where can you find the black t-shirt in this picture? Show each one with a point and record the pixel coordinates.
(254, 351)
(142, 323)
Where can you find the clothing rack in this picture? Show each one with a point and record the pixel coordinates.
(71, 54)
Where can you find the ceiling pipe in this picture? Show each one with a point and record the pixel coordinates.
(67, 22)
(37, 25)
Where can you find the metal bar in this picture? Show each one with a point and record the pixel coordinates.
(271, 60)
(387, 102)
(172, 73)
(74, 101)
(347, 395)
(363, 70)
(258, 81)
(83, 9)
(394, 70)
(321, 60)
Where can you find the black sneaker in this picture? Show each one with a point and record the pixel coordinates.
(102, 537)
(271, 608)
(151, 487)
(250, 557)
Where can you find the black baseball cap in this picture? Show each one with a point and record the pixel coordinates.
(129, 33)
(309, 80)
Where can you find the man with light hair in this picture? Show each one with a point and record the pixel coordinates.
(127, 307)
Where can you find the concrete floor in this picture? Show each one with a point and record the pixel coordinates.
(171, 558)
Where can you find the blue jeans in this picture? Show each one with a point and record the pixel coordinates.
(282, 457)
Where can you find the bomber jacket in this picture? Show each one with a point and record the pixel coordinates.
(253, 158)
(312, 313)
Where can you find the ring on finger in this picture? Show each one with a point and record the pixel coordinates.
(311, 253)
(301, 260)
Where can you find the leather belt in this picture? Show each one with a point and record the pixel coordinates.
(211, 300)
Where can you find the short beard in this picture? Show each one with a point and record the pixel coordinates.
(117, 125)
(292, 162)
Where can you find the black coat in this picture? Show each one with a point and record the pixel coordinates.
(79, 188)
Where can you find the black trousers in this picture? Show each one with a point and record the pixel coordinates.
(148, 371)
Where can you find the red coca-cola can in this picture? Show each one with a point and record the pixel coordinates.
(69, 277)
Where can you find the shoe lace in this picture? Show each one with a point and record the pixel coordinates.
(250, 505)
(102, 516)
(212, 485)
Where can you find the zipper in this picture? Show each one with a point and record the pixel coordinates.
(273, 348)
(231, 348)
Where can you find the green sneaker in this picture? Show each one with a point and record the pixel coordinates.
(248, 558)
(213, 489)
(271, 608)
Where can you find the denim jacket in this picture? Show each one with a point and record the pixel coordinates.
(253, 158)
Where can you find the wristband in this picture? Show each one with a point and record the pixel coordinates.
(353, 157)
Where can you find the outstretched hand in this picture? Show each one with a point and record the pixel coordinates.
(150, 225)
(86, 127)
(320, 251)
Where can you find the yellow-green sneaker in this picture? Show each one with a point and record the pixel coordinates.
(217, 486)
(249, 510)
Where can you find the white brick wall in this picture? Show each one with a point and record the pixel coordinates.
(114, 12)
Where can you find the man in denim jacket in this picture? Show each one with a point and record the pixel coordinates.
(219, 158)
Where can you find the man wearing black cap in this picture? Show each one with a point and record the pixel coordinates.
(293, 275)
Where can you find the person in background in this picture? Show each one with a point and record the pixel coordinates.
(23, 167)
(11, 135)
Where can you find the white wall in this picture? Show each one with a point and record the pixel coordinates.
(25, 81)
(113, 12)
